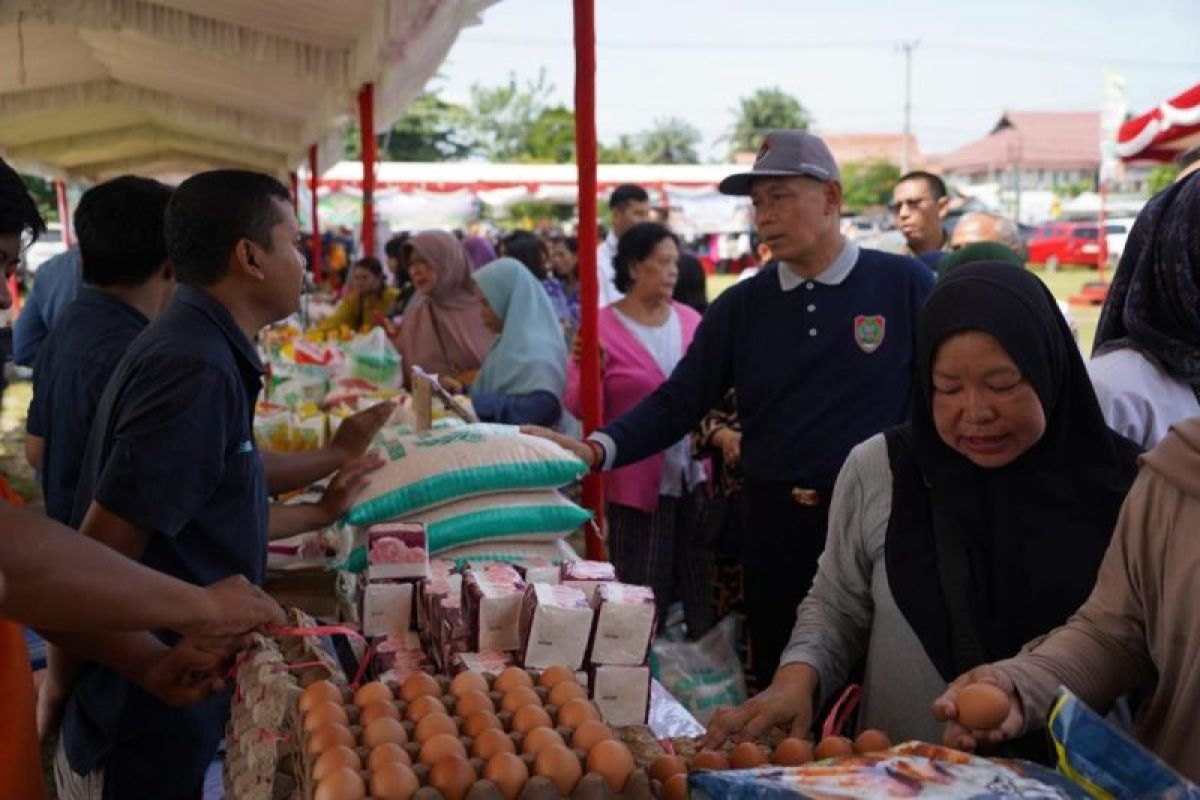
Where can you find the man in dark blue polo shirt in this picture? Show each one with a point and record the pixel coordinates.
(129, 282)
(172, 476)
(818, 345)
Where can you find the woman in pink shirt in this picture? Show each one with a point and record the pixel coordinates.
(653, 504)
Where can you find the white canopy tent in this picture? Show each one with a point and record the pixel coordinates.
(94, 88)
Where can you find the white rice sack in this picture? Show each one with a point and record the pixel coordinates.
(524, 516)
(429, 469)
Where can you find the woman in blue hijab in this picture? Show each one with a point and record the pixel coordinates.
(525, 372)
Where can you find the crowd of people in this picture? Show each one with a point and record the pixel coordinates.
(898, 469)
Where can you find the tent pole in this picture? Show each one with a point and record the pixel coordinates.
(313, 179)
(589, 288)
(366, 130)
(64, 213)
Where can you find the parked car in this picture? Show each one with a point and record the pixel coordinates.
(1056, 243)
(1116, 231)
(48, 245)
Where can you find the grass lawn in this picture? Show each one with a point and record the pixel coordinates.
(1062, 284)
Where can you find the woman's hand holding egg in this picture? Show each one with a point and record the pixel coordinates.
(787, 703)
(980, 707)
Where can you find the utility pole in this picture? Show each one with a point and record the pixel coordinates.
(908, 48)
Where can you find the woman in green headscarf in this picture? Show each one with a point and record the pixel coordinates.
(525, 372)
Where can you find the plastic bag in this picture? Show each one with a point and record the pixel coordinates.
(703, 675)
(1106, 762)
(373, 358)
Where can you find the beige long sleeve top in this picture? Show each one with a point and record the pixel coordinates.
(1141, 624)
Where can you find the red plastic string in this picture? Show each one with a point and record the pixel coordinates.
(268, 735)
(667, 746)
(839, 715)
(330, 630)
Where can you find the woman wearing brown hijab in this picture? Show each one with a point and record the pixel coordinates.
(442, 332)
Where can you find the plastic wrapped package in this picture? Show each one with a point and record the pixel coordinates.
(704, 675)
(373, 358)
(273, 427)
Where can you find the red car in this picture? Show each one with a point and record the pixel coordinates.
(1056, 243)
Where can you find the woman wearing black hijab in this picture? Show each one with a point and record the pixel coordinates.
(959, 537)
(1146, 358)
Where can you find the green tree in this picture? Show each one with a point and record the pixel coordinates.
(669, 141)
(623, 151)
(1161, 177)
(868, 183)
(763, 111)
(428, 131)
(499, 121)
(551, 137)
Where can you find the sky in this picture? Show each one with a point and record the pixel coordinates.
(973, 59)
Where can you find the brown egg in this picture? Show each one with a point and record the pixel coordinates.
(982, 706)
(834, 747)
(480, 721)
(324, 713)
(452, 776)
(710, 759)
(393, 781)
(792, 753)
(341, 784)
(388, 753)
(675, 787)
(373, 692)
(384, 729)
(319, 692)
(747, 755)
(552, 676)
(587, 735)
(439, 745)
(539, 739)
(612, 760)
(508, 772)
(567, 690)
(871, 741)
(526, 718)
(419, 684)
(433, 724)
(519, 696)
(490, 742)
(425, 704)
(664, 767)
(472, 701)
(511, 678)
(374, 711)
(328, 736)
(574, 713)
(333, 758)
(560, 766)
(468, 682)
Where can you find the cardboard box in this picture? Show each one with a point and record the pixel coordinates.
(397, 550)
(622, 694)
(387, 608)
(556, 625)
(625, 620)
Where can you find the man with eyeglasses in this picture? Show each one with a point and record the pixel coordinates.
(919, 204)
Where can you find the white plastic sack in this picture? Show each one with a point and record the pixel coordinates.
(703, 675)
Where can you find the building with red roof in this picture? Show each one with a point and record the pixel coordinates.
(1047, 150)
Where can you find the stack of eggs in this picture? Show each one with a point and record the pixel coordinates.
(671, 771)
(514, 735)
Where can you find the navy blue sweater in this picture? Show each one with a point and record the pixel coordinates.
(816, 371)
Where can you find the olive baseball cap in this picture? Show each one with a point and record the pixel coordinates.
(786, 154)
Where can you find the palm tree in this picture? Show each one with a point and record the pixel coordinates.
(670, 141)
(762, 111)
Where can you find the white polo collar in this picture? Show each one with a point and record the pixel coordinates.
(832, 275)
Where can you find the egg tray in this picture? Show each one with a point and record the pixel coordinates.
(259, 763)
(591, 786)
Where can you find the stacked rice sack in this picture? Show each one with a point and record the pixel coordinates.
(473, 485)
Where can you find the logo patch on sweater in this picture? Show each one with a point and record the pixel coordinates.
(869, 332)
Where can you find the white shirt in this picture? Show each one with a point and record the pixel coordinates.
(832, 275)
(1138, 399)
(665, 345)
(606, 273)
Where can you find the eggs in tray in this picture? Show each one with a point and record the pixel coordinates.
(514, 736)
